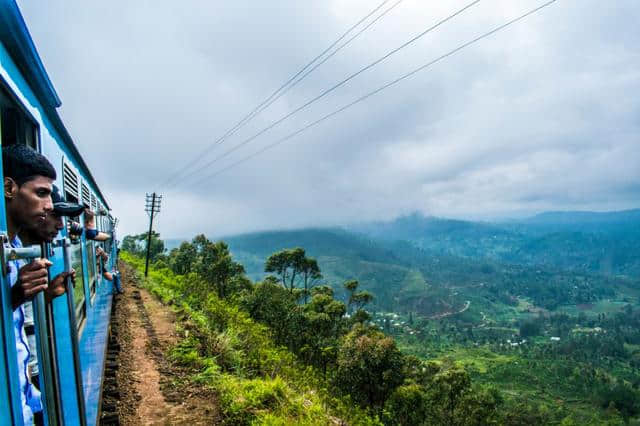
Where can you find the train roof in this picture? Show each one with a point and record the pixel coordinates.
(15, 36)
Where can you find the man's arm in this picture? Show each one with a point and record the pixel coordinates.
(101, 236)
(32, 279)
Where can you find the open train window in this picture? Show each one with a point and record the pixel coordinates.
(91, 267)
(16, 126)
(78, 288)
(70, 185)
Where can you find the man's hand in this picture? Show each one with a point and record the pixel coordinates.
(57, 286)
(32, 279)
(101, 253)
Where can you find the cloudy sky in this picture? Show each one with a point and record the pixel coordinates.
(543, 115)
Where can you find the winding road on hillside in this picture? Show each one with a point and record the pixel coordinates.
(446, 314)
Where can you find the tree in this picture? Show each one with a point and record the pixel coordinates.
(310, 272)
(323, 324)
(407, 405)
(369, 366)
(357, 300)
(273, 305)
(183, 258)
(294, 268)
(136, 244)
(450, 387)
(216, 266)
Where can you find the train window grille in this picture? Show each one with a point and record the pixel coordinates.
(70, 181)
(86, 195)
(94, 204)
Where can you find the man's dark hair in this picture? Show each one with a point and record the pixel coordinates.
(23, 164)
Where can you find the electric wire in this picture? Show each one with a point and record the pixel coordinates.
(255, 111)
(378, 90)
(327, 91)
(326, 58)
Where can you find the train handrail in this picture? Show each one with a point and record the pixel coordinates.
(65, 243)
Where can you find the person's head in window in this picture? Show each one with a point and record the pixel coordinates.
(53, 222)
(28, 180)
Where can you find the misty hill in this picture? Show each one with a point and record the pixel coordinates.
(583, 218)
(603, 243)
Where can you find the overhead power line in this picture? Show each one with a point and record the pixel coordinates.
(277, 93)
(378, 90)
(326, 58)
(327, 91)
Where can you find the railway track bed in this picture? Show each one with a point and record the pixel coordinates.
(142, 386)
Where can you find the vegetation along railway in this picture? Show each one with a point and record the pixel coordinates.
(71, 332)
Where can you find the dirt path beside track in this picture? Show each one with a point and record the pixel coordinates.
(147, 389)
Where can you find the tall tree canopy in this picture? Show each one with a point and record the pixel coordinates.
(294, 269)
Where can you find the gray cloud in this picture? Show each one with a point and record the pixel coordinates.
(541, 116)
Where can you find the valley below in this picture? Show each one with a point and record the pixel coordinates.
(545, 311)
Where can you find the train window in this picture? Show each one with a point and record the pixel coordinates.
(15, 124)
(70, 184)
(100, 264)
(78, 288)
(91, 264)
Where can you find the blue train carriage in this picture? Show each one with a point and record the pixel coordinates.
(71, 333)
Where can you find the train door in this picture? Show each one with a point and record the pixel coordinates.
(9, 384)
(17, 127)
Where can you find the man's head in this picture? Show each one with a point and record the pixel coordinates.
(53, 222)
(28, 179)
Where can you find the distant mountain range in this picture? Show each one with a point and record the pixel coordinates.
(604, 243)
(432, 265)
(571, 218)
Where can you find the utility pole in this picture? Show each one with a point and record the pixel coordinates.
(152, 208)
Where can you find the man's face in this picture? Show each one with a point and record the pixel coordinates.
(52, 225)
(30, 203)
(47, 232)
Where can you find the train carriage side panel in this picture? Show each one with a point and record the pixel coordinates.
(57, 145)
(15, 82)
